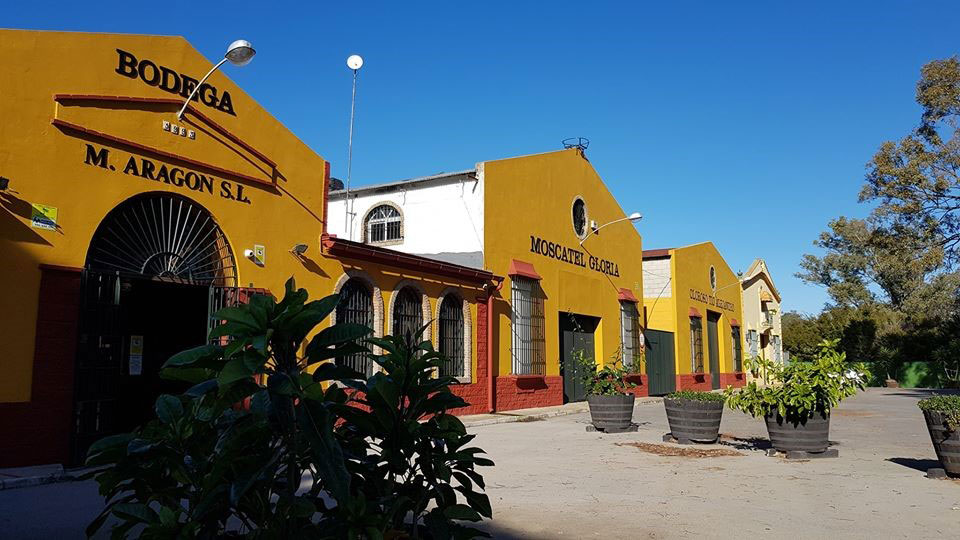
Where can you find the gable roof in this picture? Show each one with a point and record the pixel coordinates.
(759, 270)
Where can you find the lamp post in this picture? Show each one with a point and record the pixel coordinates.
(239, 53)
(632, 217)
(354, 62)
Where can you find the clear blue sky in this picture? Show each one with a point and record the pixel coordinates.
(745, 124)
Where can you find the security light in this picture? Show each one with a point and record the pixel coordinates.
(299, 249)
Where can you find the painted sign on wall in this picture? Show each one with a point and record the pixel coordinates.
(169, 80)
(573, 256)
(43, 217)
(711, 300)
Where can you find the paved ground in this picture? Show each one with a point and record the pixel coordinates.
(555, 480)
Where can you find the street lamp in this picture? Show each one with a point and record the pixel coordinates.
(632, 217)
(239, 53)
(354, 62)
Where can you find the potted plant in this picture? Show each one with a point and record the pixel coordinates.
(795, 400)
(694, 416)
(611, 406)
(942, 414)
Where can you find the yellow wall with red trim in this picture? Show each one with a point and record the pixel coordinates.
(534, 195)
(45, 165)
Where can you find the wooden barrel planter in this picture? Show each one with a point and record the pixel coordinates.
(611, 412)
(946, 442)
(812, 436)
(693, 420)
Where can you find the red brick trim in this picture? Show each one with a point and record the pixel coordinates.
(326, 195)
(38, 431)
(694, 313)
(339, 247)
(162, 153)
(626, 295)
(734, 322)
(170, 101)
(523, 269)
(655, 253)
(58, 268)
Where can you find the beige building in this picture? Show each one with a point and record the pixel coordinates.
(761, 313)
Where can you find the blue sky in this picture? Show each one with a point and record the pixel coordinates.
(748, 124)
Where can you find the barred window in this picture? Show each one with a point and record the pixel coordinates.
(528, 327)
(737, 349)
(630, 335)
(777, 350)
(355, 306)
(407, 313)
(752, 340)
(450, 335)
(383, 225)
(696, 345)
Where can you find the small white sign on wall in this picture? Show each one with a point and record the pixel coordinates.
(136, 355)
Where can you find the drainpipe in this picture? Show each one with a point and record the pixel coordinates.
(491, 385)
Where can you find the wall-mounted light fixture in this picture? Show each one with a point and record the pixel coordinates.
(239, 53)
(4, 183)
(632, 217)
(299, 249)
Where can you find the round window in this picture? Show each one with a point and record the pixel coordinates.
(713, 278)
(579, 217)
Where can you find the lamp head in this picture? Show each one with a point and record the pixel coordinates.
(240, 52)
(355, 62)
(635, 216)
(299, 249)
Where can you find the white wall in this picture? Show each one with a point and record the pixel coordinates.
(656, 277)
(442, 218)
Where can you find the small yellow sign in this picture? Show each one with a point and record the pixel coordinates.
(259, 254)
(43, 216)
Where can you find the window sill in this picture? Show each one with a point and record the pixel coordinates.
(386, 243)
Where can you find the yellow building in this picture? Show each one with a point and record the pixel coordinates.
(571, 257)
(123, 227)
(693, 312)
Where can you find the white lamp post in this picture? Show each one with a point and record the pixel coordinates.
(239, 53)
(632, 217)
(354, 62)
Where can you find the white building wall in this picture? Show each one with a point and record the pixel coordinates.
(442, 218)
(656, 278)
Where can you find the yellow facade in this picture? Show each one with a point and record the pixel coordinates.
(64, 93)
(529, 199)
(692, 292)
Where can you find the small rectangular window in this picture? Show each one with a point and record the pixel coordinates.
(630, 335)
(527, 326)
(696, 345)
(737, 349)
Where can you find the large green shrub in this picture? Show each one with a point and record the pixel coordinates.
(693, 395)
(314, 455)
(801, 389)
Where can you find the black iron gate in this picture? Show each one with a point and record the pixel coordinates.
(713, 345)
(661, 362)
(99, 362)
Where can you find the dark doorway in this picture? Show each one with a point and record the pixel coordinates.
(130, 327)
(661, 362)
(713, 343)
(576, 334)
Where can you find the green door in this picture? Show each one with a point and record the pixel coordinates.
(576, 334)
(714, 345)
(660, 362)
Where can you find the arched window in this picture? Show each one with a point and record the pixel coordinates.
(450, 336)
(383, 224)
(356, 306)
(407, 313)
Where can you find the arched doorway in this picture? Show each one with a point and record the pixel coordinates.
(155, 267)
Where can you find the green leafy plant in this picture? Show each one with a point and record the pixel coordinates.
(696, 396)
(609, 380)
(802, 389)
(312, 455)
(948, 406)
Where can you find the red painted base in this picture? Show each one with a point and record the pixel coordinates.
(703, 382)
(526, 391)
(642, 389)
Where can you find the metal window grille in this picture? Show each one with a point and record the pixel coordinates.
(384, 224)
(696, 345)
(630, 334)
(752, 340)
(450, 337)
(777, 351)
(528, 327)
(356, 306)
(407, 313)
(737, 349)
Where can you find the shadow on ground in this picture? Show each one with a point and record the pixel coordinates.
(921, 465)
(760, 444)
